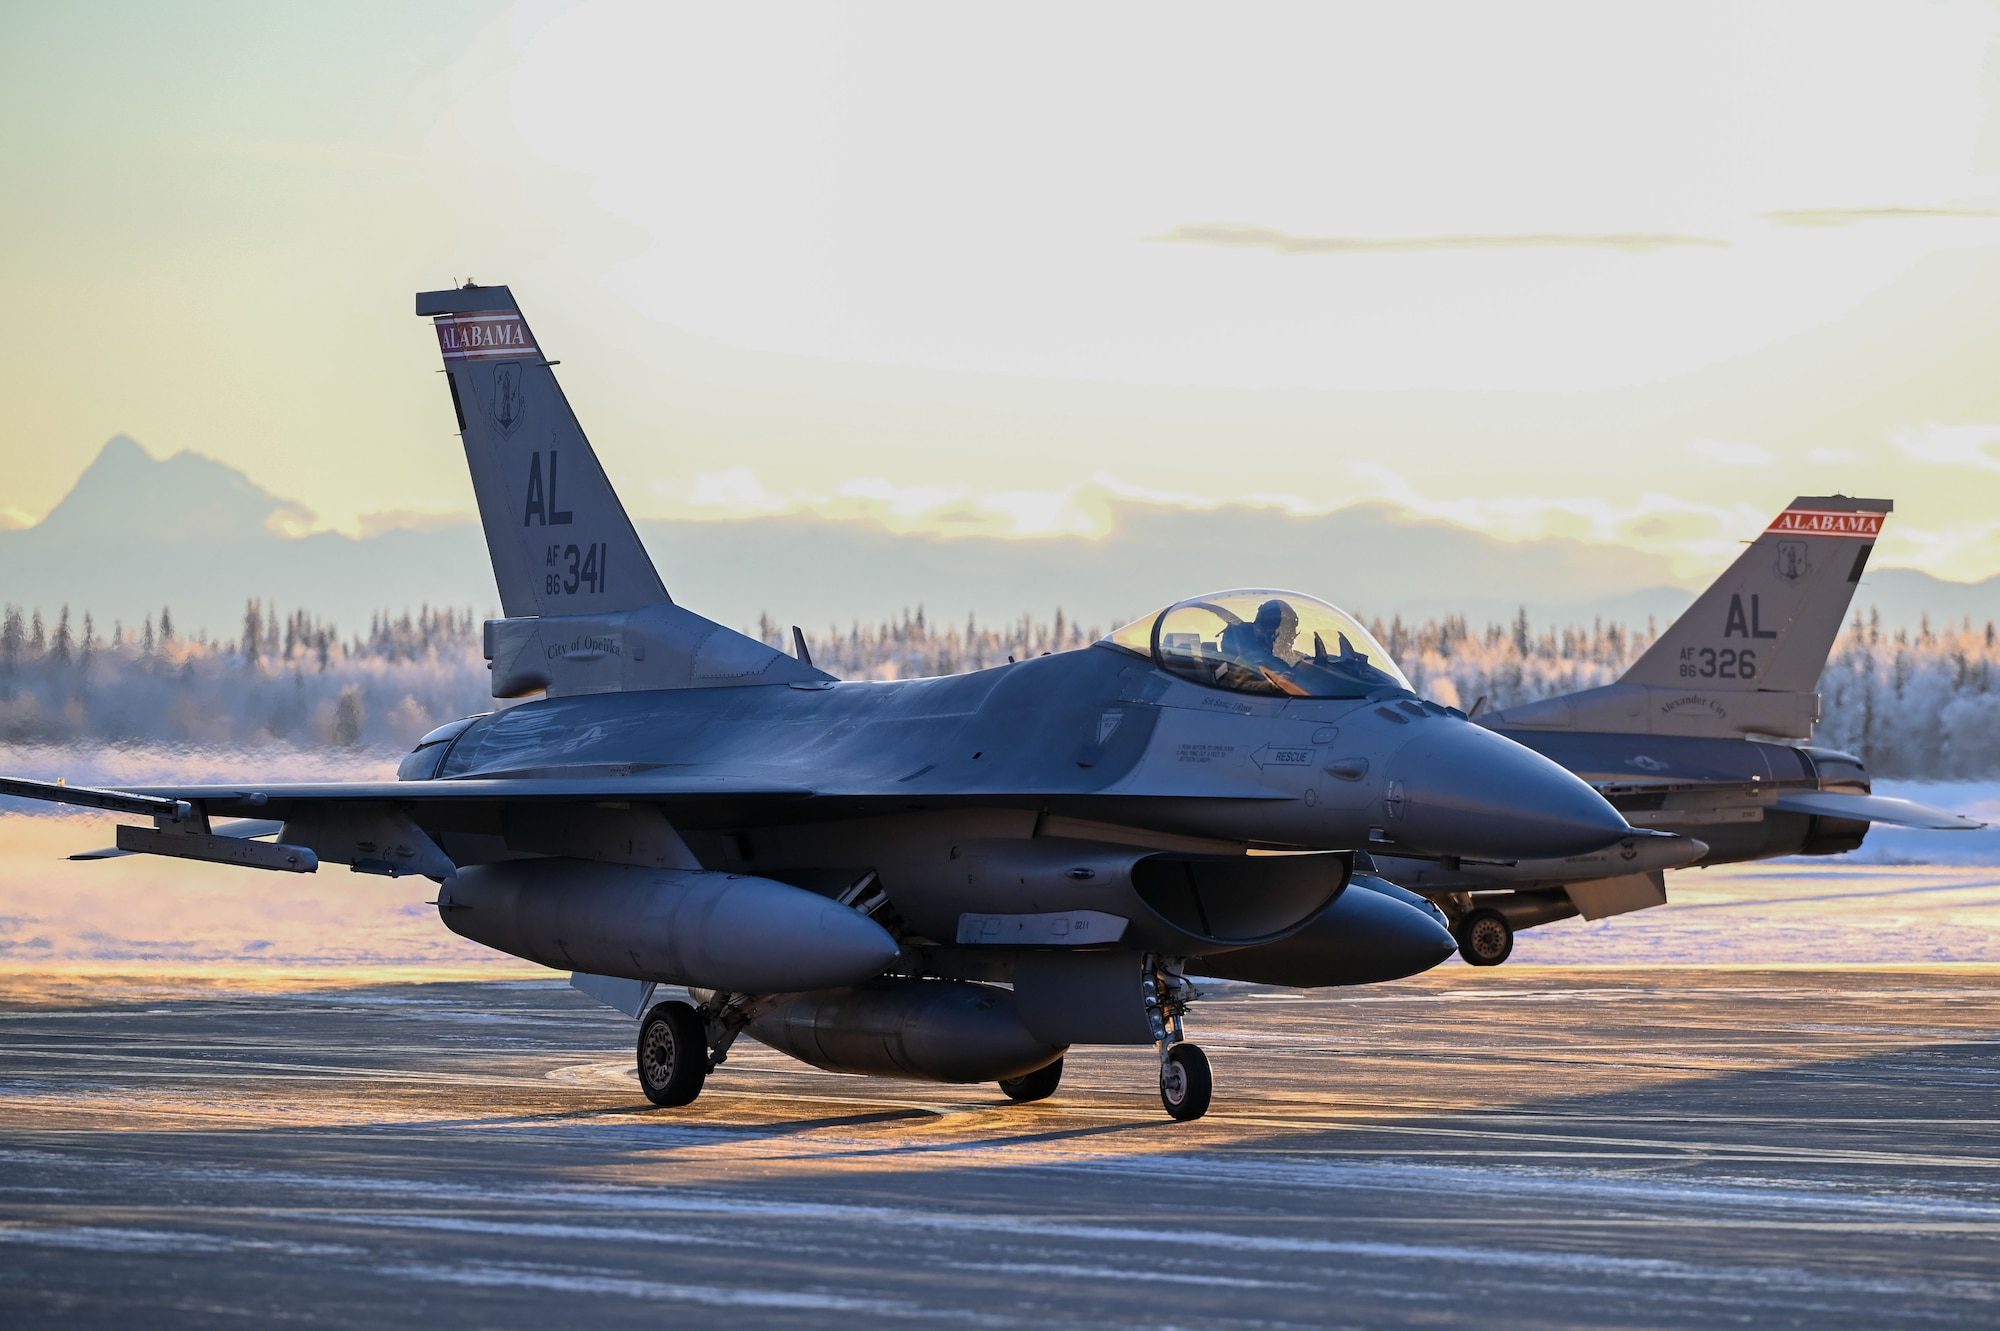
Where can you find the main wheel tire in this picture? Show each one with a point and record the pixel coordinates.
(673, 1054)
(1186, 1085)
(1485, 938)
(1037, 1085)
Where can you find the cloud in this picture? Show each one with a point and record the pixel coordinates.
(1693, 536)
(1969, 544)
(411, 519)
(736, 492)
(1951, 445)
(903, 501)
(1045, 513)
(1237, 235)
(1853, 216)
(1083, 508)
(1839, 457)
(1726, 454)
(291, 520)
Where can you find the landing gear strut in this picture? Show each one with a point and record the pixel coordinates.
(1485, 938)
(1186, 1084)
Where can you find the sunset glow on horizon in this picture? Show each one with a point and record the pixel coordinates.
(1632, 276)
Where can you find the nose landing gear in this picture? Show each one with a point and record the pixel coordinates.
(1186, 1084)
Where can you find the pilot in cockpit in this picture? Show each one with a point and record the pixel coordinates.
(1266, 641)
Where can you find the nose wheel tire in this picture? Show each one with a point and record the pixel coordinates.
(1037, 1085)
(673, 1054)
(1485, 938)
(1186, 1085)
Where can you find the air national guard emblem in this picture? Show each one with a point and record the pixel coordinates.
(1792, 563)
(507, 402)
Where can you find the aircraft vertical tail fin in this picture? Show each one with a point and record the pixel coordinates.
(1769, 622)
(1746, 657)
(560, 541)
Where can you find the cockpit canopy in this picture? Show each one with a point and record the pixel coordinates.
(1280, 644)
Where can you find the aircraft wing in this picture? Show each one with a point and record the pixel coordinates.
(1874, 809)
(275, 800)
(279, 799)
(391, 826)
(375, 826)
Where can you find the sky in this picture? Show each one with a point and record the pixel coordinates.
(1637, 274)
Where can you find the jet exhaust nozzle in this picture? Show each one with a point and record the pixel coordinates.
(1468, 792)
(673, 926)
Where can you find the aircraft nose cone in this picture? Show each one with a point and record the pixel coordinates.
(1459, 789)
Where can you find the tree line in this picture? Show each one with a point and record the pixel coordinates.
(1923, 703)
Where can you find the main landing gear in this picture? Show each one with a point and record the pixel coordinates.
(1186, 1084)
(1485, 938)
(680, 1044)
(673, 1054)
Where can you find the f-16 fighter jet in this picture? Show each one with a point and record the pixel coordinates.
(951, 879)
(1707, 736)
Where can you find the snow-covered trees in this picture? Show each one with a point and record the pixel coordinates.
(286, 679)
(1912, 704)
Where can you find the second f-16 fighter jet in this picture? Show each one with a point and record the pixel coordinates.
(1707, 736)
(950, 879)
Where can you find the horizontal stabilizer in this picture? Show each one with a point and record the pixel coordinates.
(1874, 809)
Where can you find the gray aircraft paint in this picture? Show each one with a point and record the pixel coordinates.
(1746, 657)
(559, 539)
(687, 804)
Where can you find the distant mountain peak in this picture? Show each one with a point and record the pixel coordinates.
(122, 450)
(128, 495)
